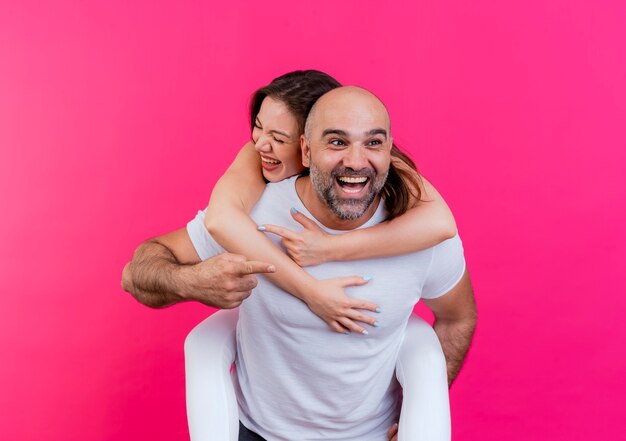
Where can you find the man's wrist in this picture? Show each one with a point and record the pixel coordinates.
(182, 276)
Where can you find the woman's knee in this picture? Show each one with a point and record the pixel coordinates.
(214, 334)
(421, 349)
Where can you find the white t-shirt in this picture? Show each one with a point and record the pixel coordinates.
(295, 378)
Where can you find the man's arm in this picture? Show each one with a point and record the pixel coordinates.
(167, 270)
(455, 320)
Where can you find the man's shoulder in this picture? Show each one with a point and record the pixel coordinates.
(284, 187)
(446, 268)
(282, 192)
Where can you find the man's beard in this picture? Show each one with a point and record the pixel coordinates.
(346, 208)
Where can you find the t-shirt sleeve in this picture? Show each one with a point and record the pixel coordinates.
(205, 245)
(446, 268)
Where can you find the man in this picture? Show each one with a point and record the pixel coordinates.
(295, 379)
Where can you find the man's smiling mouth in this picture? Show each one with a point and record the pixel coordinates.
(352, 184)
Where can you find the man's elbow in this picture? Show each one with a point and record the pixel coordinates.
(140, 296)
(128, 285)
(127, 282)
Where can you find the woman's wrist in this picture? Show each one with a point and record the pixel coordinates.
(334, 249)
(309, 291)
(298, 283)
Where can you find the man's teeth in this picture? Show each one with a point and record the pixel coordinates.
(352, 179)
(270, 161)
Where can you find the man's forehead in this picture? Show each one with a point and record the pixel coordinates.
(352, 110)
(352, 133)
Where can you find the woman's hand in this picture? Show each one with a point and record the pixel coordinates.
(392, 434)
(327, 299)
(308, 247)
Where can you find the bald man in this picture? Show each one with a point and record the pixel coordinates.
(294, 378)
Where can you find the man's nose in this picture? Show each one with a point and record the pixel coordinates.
(355, 158)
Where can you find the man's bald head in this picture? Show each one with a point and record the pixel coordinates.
(347, 146)
(344, 105)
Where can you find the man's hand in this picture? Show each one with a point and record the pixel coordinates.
(167, 270)
(223, 281)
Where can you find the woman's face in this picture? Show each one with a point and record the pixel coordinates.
(277, 139)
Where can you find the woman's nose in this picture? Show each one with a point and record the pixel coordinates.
(262, 144)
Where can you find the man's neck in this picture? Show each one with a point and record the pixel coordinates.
(323, 214)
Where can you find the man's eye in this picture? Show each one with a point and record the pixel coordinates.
(280, 141)
(376, 142)
(337, 142)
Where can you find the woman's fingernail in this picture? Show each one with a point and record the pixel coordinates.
(378, 310)
(376, 324)
(261, 228)
(347, 332)
(294, 211)
(367, 278)
(364, 332)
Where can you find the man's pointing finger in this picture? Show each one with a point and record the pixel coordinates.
(255, 267)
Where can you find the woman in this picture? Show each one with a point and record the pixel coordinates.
(278, 113)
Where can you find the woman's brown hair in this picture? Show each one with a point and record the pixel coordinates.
(299, 90)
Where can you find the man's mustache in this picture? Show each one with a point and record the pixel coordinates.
(347, 171)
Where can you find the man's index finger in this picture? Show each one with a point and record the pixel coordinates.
(255, 267)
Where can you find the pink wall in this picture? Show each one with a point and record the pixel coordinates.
(116, 118)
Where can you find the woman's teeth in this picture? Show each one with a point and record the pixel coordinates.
(270, 161)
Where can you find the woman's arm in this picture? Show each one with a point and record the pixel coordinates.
(227, 220)
(426, 224)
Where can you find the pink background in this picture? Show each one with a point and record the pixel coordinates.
(117, 117)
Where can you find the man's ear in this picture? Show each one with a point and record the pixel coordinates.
(304, 147)
(390, 142)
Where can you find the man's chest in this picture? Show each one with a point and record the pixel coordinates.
(395, 286)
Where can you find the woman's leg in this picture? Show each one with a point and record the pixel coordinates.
(210, 349)
(421, 371)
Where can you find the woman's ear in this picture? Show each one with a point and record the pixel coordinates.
(304, 146)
